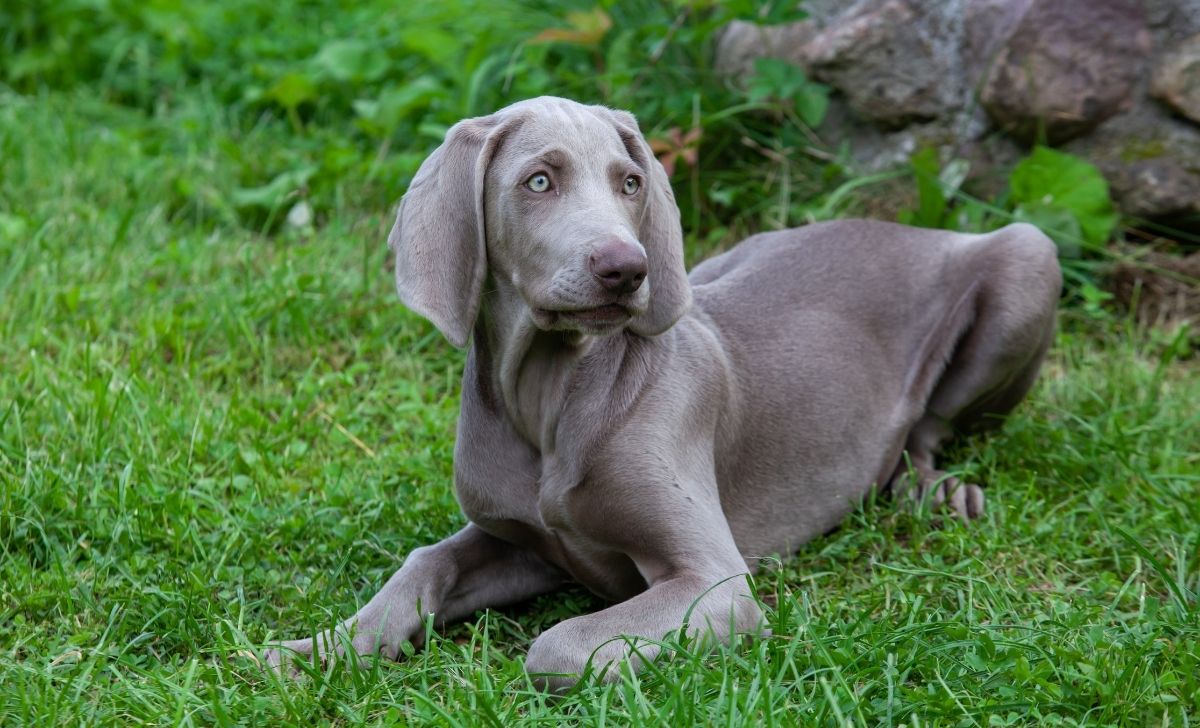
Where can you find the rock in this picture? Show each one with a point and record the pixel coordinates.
(895, 61)
(1155, 188)
(1150, 159)
(742, 43)
(987, 25)
(1068, 66)
(1171, 21)
(956, 74)
(1177, 78)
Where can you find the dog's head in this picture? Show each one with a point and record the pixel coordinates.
(563, 201)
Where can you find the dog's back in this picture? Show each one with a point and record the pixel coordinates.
(837, 333)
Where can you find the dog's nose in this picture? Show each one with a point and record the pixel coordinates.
(618, 266)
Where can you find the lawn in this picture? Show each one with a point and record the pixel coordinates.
(219, 427)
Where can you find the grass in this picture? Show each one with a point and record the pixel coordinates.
(216, 431)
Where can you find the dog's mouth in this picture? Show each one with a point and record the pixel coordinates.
(598, 317)
(608, 313)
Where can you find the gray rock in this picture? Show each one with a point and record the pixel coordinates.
(1177, 78)
(1156, 189)
(895, 61)
(1068, 66)
(1170, 21)
(742, 43)
(1150, 159)
(987, 25)
(917, 73)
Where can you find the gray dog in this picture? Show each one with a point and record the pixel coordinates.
(652, 435)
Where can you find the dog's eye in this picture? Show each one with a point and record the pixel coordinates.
(538, 183)
(631, 186)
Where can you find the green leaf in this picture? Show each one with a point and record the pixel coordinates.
(782, 81)
(931, 202)
(12, 227)
(812, 101)
(352, 60)
(439, 47)
(384, 114)
(1049, 183)
(292, 90)
(1057, 222)
(275, 192)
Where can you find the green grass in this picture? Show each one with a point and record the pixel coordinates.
(216, 431)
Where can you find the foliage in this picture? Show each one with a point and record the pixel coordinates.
(783, 81)
(217, 427)
(207, 441)
(1064, 195)
(374, 90)
(936, 188)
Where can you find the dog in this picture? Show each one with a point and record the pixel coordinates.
(652, 435)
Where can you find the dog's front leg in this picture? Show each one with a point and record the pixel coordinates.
(699, 582)
(449, 580)
(714, 604)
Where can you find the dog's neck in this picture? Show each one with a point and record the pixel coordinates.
(527, 370)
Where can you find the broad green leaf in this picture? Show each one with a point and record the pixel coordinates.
(12, 227)
(783, 81)
(812, 101)
(385, 113)
(1058, 222)
(352, 60)
(275, 192)
(292, 90)
(1049, 180)
(439, 47)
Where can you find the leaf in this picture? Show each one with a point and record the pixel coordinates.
(249, 456)
(586, 28)
(1057, 222)
(437, 46)
(275, 192)
(292, 90)
(812, 101)
(771, 78)
(783, 81)
(677, 145)
(931, 201)
(1049, 181)
(352, 60)
(953, 175)
(12, 227)
(384, 114)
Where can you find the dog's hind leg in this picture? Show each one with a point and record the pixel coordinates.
(992, 364)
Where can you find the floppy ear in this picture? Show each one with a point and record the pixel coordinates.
(438, 238)
(660, 234)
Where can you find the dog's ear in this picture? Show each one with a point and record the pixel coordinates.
(660, 234)
(438, 238)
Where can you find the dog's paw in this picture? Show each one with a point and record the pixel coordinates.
(346, 642)
(941, 491)
(288, 657)
(965, 500)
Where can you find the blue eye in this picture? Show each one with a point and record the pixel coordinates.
(632, 185)
(538, 183)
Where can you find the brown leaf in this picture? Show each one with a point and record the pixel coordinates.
(676, 146)
(587, 28)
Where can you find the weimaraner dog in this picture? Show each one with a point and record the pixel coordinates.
(653, 435)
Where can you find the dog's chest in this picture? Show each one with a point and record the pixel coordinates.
(529, 506)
